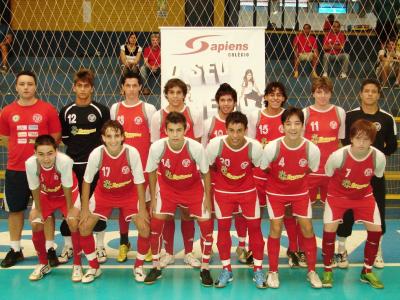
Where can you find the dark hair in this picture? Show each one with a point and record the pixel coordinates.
(113, 125)
(173, 82)
(27, 73)
(131, 74)
(363, 126)
(290, 111)
(84, 75)
(225, 89)
(271, 87)
(236, 117)
(175, 118)
(370, 81)
(306, 24)
(45, 139)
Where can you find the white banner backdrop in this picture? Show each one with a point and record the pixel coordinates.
(205, 57)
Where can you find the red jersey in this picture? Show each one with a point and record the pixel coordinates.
(334, 38)
(153, 56)
(50, 182)
(217, 128)
(189, 123)
(22, 125)
(304, 44)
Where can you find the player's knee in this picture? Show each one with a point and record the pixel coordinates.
(37, 226)
(84, 229)
(307, 229)
(73, 225)
(144, 232)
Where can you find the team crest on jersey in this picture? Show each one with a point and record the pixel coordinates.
(186, 163)
(125, 170)
(244, 165)
(333, 124)
(37, 118)
(121, 120)
(280, 128)
(15, 118)
(138, 120)
(368, 172)
(303, 162)
(378, 126)
(92, 118)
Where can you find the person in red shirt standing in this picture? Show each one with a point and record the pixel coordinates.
(351, 169)
(152, 60)
(333, 45)
(305, 48)
(21, 122)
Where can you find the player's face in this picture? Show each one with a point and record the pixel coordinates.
(26, 87)
(176, 134)
(361, 143)
(113, 140)
(175, 97)
(275, 99)
(293, 128)
(236, 135)
(131, 88)
(46, 155)
(322, 97)
(369, 94)
(83, 90)
(226, 104)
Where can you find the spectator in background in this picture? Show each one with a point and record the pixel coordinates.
(305, 49)
(386, 12)
(130, 54)
(333, 45)
(152, 60)
(389, 63)
(328, 23)
(5, 42)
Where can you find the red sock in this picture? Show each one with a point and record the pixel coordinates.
(300, 237)
(328, 249)
(87, 244)
(39, 241)
(168, 236)
(156, 227)
(256, 242)
(224, 242)
(273, 246)
(123, 224)
(76, 245)
(371, 248)
(187, 228)
(241, 229)
(143, 245)
(206, 230)
(290, 225)
(310, 249)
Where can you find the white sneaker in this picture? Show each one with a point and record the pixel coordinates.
(325, 74)
(342, 260)
(343, 75)
(101, 255)
(77, 273)
(314, 280)
(379, 263)
(90, 275)
(273, 280)
(39, 272)
(139, 274)
(166, 259)
(66, 253)
(192, 261)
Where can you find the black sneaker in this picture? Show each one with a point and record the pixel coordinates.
(293, 259)
(152, 276)
(52, 257)
(249, 258)
(205, 277)
(12, 258)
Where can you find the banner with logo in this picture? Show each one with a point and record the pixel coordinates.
(206, 57)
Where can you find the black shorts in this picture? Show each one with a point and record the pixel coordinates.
(79, 170)
(16, 191)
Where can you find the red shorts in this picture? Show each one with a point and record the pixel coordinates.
(228, 204)
(365, 209)
(50, 204)
(301, 206)
(315, 184)
(260, 186)
(103, 205)
(169, 199)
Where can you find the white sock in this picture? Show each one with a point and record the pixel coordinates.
(100, 239)
(16, 245)
(67, 241)
(342, 244)
(49, 244)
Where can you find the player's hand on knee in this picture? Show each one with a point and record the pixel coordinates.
(84, 217)
(143, 227)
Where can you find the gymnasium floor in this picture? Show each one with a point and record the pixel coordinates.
(181, 282)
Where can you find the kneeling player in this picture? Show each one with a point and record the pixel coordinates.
(120, 185)
(351, 169)
(54, 186)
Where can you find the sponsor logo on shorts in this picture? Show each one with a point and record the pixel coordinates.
(303, 162)
(333, 124)
(33, 127)
(22, 134)
(244, 165)
(92, 118)
(125, 170)
(22, 127)
(138, 120)
(368, 172)
(22, 141)
(186, 162)
(37, 118)
(15, 118)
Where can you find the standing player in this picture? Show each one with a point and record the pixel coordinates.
(54, 186)
(176, 167)
(351, 169)
(386, 142)
(120, 185)
(135, 116)
(175, 91)
(21, 122)
(233, 157)
(288, 160)
(81, 124)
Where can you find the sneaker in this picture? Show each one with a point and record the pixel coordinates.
(325, 75)
(166, 259)
(343, 75)
(314, 75)
(52, 257)
(205, 277)
(192, 261)
(101, 255)
(273, 280)
(296, 74)
(260, 280)
(91, 274)
(327, 279)
(241, 254)
(372, 280)
(314, 280)
(77, 273)
(149, 256)
(153, 275)
(250, 258)
(224, 278)
(302, 258)
(293, 259)
(12, 258)
(123, 252)
(342, 260)
(39, 272)
(66, 253)
(379, 263)
(139, 274)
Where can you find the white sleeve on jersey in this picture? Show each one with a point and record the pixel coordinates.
(136, 164)
(113, 111)
(155, 126)
(31, 173)
(64, 165)
(380, 163)
(204, 138)
(256, 152)
(92, 166)
(199, 155)
(150, 110)
(342, 118)
(334, 161)
(197, 123)
(268, 154)
(314, 156)
(156, 149)
(252, 124)
(212, 149)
